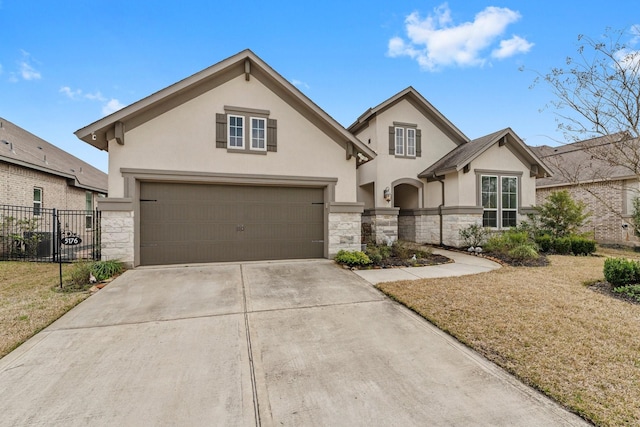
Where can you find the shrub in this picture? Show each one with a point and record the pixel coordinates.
(377, 254)
(474, 235)
(621, 271)
(545, 243)
(562, 246)
(352, 258)
(582, 245)
(524, 251)
(79, 276)
(513, 243)
(103, 270)
(631, 291)
(560, 215)
(400, 250)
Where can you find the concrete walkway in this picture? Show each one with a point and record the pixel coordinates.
(462, 264)
(256, 344)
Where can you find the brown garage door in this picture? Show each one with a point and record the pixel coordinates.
(187, 223)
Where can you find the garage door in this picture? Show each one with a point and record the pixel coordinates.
(187, 223)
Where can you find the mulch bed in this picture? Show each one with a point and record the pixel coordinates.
(433, 259)
(606, 289)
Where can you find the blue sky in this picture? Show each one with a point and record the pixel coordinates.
(65, 64)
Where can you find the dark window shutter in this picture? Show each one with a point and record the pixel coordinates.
(221, 131)
(418, 143)
(392, 140)
(272, 135)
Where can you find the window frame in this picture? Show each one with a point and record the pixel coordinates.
(235, 137)
(500, 209)
(402, 140)
(264, 134)
(486, 209)
(408, 139)
(502, 201)
(88, 204)
(37, 204)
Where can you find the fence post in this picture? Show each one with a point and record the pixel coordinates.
(57, 241)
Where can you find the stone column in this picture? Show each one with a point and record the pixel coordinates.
(117, 230)
(383, 223)
(344, 226)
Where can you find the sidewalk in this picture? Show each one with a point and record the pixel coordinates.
(462, 265)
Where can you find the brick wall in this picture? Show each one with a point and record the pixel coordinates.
(605, 202)
(17, 184)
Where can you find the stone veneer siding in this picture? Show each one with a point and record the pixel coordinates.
(604, 201)
(344, 232)
(383, 224)
(117, 236)
(453, 223)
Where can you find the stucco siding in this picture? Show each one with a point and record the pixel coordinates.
(502, 160)
(184, 139)
(387, 168)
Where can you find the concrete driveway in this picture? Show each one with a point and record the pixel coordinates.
(279, 343)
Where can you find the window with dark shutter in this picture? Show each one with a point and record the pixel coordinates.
(221, 131)
(418, 143)
(272, 135)
(392, 140)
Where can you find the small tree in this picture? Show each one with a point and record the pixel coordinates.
(560, 215)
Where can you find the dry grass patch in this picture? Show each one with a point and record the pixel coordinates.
(29, 301)
(545, 326)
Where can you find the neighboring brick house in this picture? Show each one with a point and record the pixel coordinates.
(36, 173)
(606, 188)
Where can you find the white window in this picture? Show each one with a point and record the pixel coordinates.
(258, 134)
(490, 201)
(89, 209)
(509, 201)
(399, 141)
(500, 203)
(236, 131)
(37, 200)
(411, 142)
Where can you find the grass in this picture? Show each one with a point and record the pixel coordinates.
(542, 324)
(29, 301)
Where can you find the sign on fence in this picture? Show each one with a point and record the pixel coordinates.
(49, 235)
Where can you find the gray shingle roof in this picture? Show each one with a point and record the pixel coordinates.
(20, 147)
(464, 154)
(584, 161)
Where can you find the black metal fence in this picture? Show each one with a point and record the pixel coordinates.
(48, 235)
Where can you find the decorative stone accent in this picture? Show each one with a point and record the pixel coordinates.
(344, 232)
(452, 224)
(383, 223)
(117, 236)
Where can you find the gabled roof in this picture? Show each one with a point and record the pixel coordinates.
(414, 97)
(19, 147)
(464, 154)
(586, 161)
(245, 62)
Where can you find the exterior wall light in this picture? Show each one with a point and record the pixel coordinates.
(387, 194)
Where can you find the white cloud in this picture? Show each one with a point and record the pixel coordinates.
(511, 47)
(72, 94)
(109, 105)
(112, 106)
(435, 42)
(26, 69)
